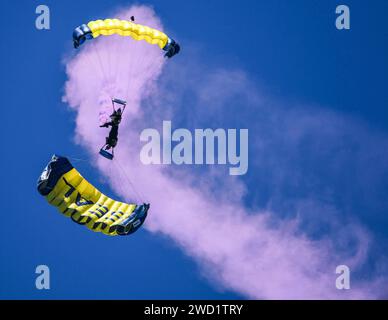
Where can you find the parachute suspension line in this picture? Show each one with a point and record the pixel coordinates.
(116, 47)
(146, 74)
(137, 193)
(100, 61)
(82, 163)
(107, 57)
(121, 190)
(93, 62)
(110, 170)
(133, 191)
(138, 197)
(110, 65)
(78, 159)
(120, 46)
(131, 65)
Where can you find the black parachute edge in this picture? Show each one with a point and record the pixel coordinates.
(172, 47)
(81, 34)
(134, 221)
(55, 169)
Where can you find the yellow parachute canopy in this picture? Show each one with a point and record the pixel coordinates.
(126, 28)
(94, 29)
(65, 188)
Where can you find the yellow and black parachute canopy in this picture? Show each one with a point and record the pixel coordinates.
(125, 28)
(65, 188)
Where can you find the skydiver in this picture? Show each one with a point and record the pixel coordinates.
(112, 139)
(115, 120)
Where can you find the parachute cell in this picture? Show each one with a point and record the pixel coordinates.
(126, 28)
(65, 188)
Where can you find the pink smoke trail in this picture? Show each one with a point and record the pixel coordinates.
(238, 250)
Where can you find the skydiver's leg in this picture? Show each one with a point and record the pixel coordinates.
(107, 143)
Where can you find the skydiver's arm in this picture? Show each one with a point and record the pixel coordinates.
(106, 125)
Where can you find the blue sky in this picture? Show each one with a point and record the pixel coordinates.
(291, 49)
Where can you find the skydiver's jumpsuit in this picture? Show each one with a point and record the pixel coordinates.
(111, 140)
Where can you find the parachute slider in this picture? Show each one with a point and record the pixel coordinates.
(172, 48)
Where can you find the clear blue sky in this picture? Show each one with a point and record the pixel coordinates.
(292, 47)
